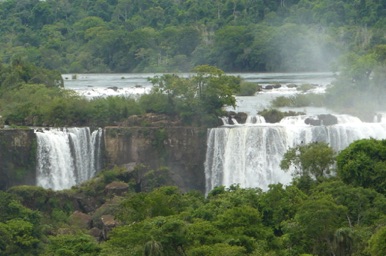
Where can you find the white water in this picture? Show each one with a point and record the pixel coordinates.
(250, 155)
(103, 85)
(67, 157)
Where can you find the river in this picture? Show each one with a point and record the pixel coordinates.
(133, 85)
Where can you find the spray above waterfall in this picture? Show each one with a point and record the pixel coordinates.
(67, 157)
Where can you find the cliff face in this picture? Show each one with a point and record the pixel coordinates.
(17, 157)
(180, 149)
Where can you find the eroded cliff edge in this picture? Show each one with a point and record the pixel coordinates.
(181, 149)
(17, 157)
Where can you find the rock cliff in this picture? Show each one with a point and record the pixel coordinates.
(180, 149)
(17, 157)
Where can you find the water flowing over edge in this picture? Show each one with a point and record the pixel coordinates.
(250, 154)
(67, 156)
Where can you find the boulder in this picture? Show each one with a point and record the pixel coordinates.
(116, 188)
(81, 220)
(96, 233)
(322, 119)
(109, 223)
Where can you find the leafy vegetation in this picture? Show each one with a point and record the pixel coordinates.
(363, 164)
(248, 89)
(175, 36)
(274, 115)
(198, 99)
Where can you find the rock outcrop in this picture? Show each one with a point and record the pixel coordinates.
(322, 119)
(17, 157)
(181, 149)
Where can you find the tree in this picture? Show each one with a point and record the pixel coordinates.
(19, 227)
(279, 204)
(22, 72)
(377, 243)
(194, 98)
(319, 218)
(363, 163)
(72, 245)
(314, 160)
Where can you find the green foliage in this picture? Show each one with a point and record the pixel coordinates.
(161, 36)
(248, 89)
(18, 238)
(365, 206)
(19, 227)
(363, 164)
(72, 245)
(194, 99)
(274, 115)
(21, 72)
(315, 160)
(377, 244)
(34, 105)
(275, 205)
(320, 232)
(213, 250)
(163, 201)
(299, 100)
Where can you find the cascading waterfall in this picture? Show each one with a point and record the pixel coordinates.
(250, 154)
(67, 157)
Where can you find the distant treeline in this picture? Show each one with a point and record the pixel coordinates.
(175, 35)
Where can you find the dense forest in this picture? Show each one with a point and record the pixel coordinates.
(158, 36)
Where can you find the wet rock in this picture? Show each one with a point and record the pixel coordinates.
(322, 119)
(114, 88)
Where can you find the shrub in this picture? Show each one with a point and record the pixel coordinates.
(248, 89)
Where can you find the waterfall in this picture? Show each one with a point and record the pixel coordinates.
(250, 155)
(67, 157)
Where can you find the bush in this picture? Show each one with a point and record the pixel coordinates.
(248, 89)
(299, 100)
(274, 115)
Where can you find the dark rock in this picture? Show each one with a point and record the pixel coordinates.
(114, 88)
(96, 233)
(85, 203)
(268, 87)
(109, 223)
(312, 121)
(17, 158)
(116, 188)
(81, 220)
(151, 120)
(328, 119)
(322, 119)
(240, 117)
(181, 149)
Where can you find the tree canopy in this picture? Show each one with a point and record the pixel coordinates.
(363, 164)
(160, 36)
